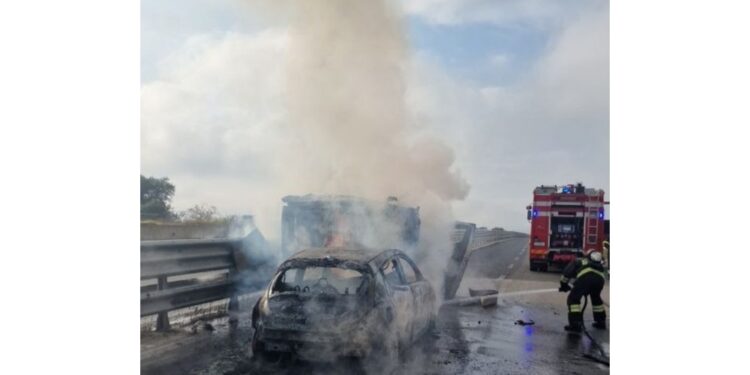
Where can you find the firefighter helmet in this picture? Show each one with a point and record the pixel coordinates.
(595, 256)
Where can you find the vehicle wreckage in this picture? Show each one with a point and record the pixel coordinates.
(325, 303)
(312, 221)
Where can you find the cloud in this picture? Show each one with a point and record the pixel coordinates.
(550, 127)
(210, 120)
(500, 60)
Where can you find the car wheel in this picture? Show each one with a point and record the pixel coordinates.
(259, 350)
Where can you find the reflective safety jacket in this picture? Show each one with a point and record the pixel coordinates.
(582, 267)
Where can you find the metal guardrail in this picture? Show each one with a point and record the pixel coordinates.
(178, 259)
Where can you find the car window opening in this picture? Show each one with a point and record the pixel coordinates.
(409, 273)
(329, 280)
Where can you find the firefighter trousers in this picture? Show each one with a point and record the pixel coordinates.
(588, 285)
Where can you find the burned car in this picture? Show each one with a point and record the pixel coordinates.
(337, 302)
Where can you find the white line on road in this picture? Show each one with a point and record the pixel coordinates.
(516, 258)
(510, 266)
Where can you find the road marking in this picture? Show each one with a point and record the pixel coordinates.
(510, 266)
(516, 258)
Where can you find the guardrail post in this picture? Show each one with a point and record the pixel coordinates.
(234, 303)
(233, 309)
(162, 319)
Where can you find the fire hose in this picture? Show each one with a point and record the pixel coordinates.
(605, 358)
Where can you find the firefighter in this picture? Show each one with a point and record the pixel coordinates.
(588, 273)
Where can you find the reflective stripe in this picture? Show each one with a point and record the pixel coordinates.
(575, 308)
(584, 262)
(599, 308)
(564, 279)
(587, 270)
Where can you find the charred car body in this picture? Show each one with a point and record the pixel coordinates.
(332, 302)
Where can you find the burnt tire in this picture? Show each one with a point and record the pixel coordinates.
(260, 352)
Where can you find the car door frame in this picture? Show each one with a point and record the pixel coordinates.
(403, 300)
(421, 290)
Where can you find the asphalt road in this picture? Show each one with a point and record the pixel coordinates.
(468, 339)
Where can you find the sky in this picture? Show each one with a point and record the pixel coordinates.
(517, 90)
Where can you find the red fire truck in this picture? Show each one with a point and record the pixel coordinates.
(565, 220)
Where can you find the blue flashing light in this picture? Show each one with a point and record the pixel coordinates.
(601, 215)
(535, 213)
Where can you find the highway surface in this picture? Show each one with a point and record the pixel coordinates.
(468, 339)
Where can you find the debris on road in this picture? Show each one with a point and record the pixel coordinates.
(201, 326)
(487, 301)
(524, 323)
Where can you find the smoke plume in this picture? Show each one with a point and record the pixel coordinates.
(350, 130)
(239, 120)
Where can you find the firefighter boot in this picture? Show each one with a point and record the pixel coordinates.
(575, 318)
(600, 317)
(574, 327)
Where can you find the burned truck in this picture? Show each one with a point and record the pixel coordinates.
(337, 220)
(317, 221)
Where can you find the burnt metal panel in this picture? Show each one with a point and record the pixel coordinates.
(457, 263)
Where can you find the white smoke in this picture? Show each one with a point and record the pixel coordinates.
(324, 112)
(347, 113)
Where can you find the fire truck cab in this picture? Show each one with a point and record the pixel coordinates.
(565, 220)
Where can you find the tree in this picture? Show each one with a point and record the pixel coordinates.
(156, 196)
(199, 213)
